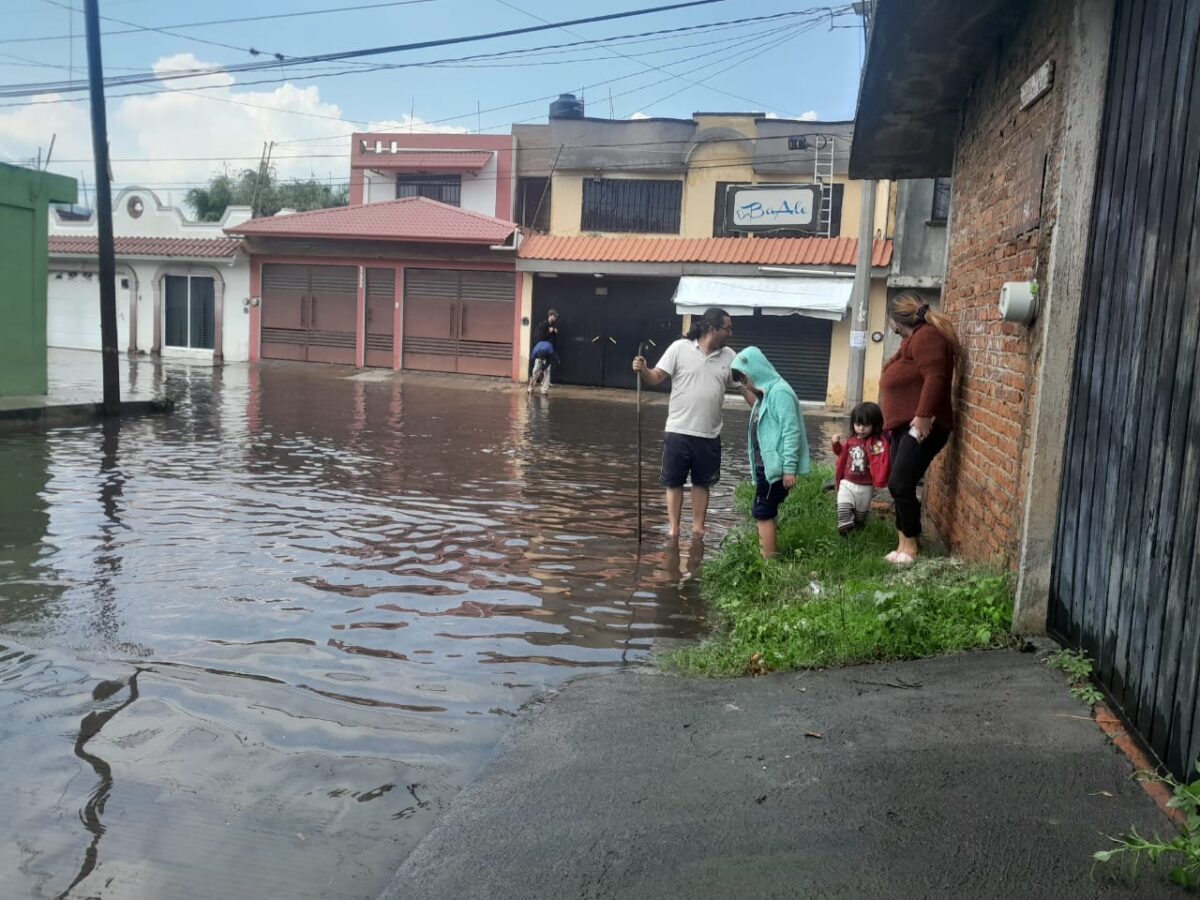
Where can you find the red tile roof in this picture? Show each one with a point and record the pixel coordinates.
(413, 219)
(733, 251)
(190, 248)
(426, 160)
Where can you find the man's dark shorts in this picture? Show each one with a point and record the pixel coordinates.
(767, 497)
(685, 454)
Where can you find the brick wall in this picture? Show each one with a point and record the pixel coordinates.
(1005, 202)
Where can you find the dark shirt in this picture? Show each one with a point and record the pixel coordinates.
(548, 332)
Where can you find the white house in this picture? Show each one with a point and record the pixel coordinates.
(183, 287)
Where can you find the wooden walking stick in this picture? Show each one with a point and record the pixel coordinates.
(641, 354)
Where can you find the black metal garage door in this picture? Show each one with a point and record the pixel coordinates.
(797, 346)
(1126, 571)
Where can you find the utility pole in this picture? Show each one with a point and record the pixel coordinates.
(104, 221)
(860, 299)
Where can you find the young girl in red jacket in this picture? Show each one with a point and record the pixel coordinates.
(864, 464)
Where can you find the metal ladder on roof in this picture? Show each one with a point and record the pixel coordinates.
(823, 156)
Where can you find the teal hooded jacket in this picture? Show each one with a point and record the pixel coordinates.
(781, 438)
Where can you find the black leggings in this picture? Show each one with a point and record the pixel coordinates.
(910, 460)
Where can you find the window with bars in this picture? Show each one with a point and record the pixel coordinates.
(190, 312)
(631, 205)
(941, 200)
(443, 188)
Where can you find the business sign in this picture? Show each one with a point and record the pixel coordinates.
(774, 207)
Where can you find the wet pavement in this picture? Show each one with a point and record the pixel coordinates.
(255, 647)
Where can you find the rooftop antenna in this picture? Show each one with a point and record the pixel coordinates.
(412, 113)
(478, 118)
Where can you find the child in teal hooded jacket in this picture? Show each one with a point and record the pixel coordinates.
(777, 441)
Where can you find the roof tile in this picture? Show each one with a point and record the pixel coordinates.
(191, 248)
(734, 251)
(412, 219)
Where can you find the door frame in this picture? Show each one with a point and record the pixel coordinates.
(159, 307)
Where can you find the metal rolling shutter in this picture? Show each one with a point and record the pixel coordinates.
(797, 346)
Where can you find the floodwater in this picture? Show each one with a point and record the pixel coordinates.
(253, 648)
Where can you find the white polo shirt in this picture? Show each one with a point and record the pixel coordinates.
(698, 385)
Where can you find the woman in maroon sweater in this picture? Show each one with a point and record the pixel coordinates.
(914, 392)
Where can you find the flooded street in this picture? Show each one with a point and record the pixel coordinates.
(251, 649)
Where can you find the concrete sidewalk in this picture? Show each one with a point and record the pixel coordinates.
(964, 777)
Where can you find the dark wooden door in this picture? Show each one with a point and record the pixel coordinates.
(602, 322)
(1126, 582)
(380, 324)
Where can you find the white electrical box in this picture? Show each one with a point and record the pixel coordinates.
(1018, 302)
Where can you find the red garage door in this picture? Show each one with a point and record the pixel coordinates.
(310, 313)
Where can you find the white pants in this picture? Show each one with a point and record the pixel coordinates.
(541, 366)
(853, 505)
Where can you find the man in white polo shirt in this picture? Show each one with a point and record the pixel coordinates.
(699, 368)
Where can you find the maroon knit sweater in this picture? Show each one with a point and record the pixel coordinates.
(916, 381)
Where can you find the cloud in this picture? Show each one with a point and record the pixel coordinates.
(223, 127)
(639, 115)
(810, 116)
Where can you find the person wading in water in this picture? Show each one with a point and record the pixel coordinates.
(699, 368)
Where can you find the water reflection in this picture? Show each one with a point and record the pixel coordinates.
(323, 599)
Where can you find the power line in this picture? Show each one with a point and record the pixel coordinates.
(197, 40)
(27, 90)
(794, 33)
(194, 90)
(650, 66)
(143, 28)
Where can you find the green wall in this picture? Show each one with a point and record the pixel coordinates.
(25, 197)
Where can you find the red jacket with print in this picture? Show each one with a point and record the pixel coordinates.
(864, 460)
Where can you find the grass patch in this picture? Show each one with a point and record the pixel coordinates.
(1178, 856)
(833, 601)
(1078, 669)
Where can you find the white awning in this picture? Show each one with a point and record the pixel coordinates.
(814, 296)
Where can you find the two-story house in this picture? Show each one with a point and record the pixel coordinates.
(638, 224)
(417, 273)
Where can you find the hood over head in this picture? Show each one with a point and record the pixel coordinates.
(753, 363)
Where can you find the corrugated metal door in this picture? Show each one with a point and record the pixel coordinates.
(380, 325)
(485, 323)
(797, 346)
(284, 312)
(1125, 585)
(458, 321)
(333, 315)
(309, 313)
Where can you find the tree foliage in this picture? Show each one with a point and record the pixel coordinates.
(263, 192)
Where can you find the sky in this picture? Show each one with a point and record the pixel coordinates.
(170, 135)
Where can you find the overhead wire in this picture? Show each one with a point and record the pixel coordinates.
(194, 90)
(199, 90)
(25, 90)
(199, 40)
(140, 29)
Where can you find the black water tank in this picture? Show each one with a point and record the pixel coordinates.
(567, 106)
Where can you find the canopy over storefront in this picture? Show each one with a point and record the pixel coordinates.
(818, 297)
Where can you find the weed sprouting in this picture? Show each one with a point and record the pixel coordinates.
(1078, 668)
